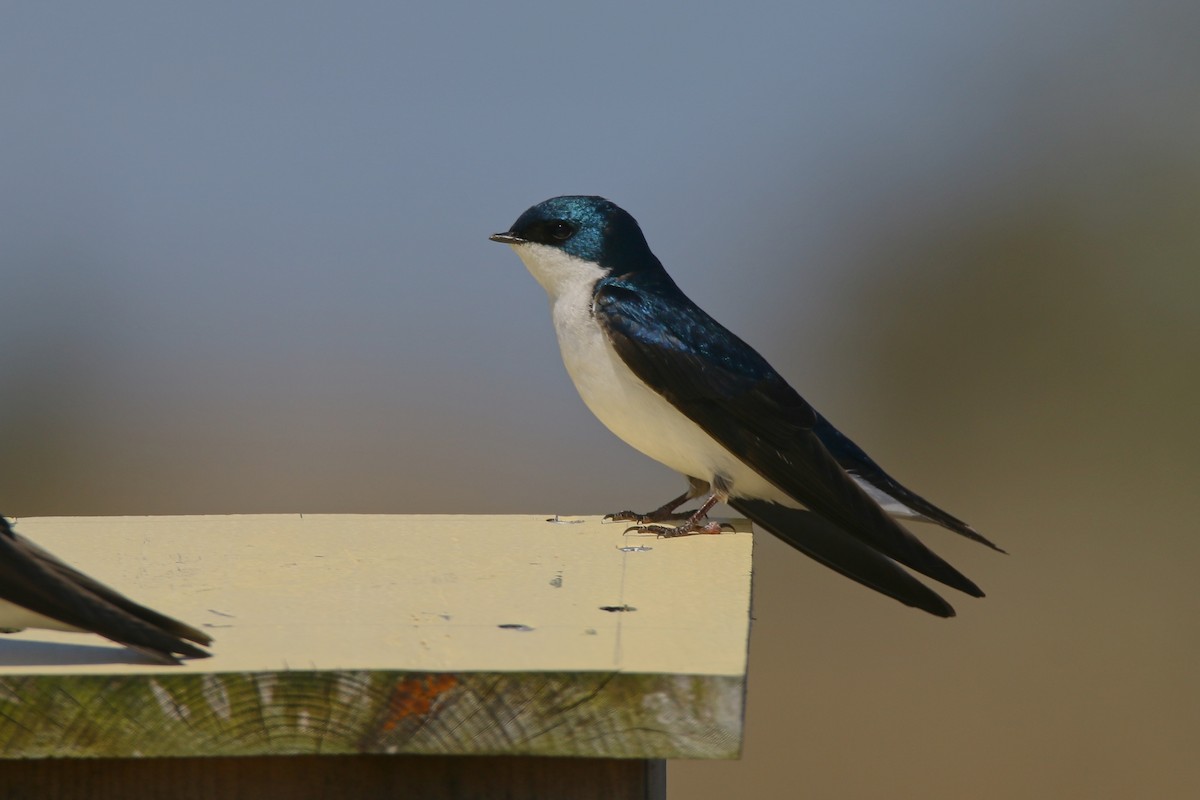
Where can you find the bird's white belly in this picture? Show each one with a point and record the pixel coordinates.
(15, 617)
(639, 415)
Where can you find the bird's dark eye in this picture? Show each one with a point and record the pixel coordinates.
(560, 231)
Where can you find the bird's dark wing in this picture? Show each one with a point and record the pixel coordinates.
(730, 391)
(856, 462)
(33, 578)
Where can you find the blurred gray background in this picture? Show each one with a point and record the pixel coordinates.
(244, 268)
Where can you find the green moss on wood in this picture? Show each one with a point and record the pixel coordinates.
(607, 715)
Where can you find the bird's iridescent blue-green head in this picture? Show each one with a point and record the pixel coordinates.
(587, 227)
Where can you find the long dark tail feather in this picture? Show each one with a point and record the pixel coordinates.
(41, 582)
(147, 615)
(824, 542)
(928, 510)
(819, 482)
(856, 462)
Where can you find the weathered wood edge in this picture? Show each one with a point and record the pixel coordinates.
(595, 715)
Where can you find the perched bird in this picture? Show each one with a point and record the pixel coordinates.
(672, 382)
(39, 591)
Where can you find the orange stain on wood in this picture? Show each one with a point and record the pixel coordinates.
(414, 697)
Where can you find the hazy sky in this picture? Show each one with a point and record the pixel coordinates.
(224, 222)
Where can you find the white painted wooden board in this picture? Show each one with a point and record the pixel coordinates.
(346, 599)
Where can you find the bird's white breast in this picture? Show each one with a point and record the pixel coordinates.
(15, 617)
(619, 399)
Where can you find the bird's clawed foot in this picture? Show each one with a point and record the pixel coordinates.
(693, 523)
(666, 512)
(690, 528)
(657, 515)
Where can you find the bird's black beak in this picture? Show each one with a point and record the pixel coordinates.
(506, 238)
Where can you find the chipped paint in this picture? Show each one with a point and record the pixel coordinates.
(216, 696)
(264, 683)
(170, 707)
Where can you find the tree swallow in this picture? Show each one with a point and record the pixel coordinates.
(672, 382)
(39, 591)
